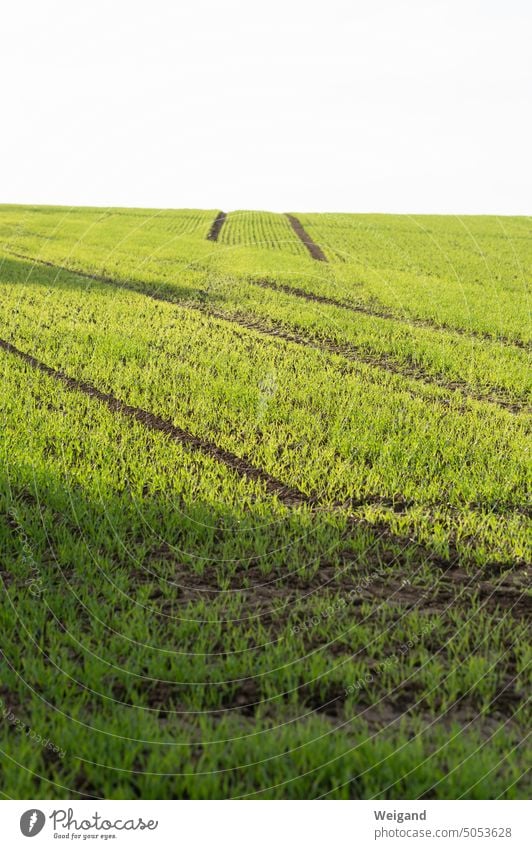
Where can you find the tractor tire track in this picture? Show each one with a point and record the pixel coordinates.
(389, 316)
(216, 226)
(276, 330)
(288, 495)
(314, 250)
(350, 352)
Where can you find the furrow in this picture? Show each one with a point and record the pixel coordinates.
(389, 582)
(216, 226)
(279, 331)
(350, 352)
(288, 495)
(314, 250)
(388, 316)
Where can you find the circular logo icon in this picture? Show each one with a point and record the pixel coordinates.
(32, 822)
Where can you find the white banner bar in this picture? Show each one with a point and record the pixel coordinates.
(266, 825)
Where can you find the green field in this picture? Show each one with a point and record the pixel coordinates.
(265, 520)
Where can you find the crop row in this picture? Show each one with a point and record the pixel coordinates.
(469, 272)
(339, 431)
(481, 368)
(265, 230)
(180, 623)
(476, 283)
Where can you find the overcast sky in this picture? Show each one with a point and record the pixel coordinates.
(337, 105)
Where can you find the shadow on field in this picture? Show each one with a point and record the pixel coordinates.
(143, 634)
(18, 271)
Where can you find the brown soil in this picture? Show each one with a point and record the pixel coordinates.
(216, 226)
(314, 250)
(384, 579)
(380, 574)
(244, 699)
(286, 494)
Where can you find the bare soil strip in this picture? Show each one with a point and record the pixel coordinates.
(278, 331)
(381, 715)
(406, 697)
(375, 712)
(347, 580)
(375, 312)
(384, 579)
(314, 250)
(216, 226)
(247, 697)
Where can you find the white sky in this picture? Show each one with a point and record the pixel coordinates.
(338, 105)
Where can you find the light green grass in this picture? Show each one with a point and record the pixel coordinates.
(178, 631)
